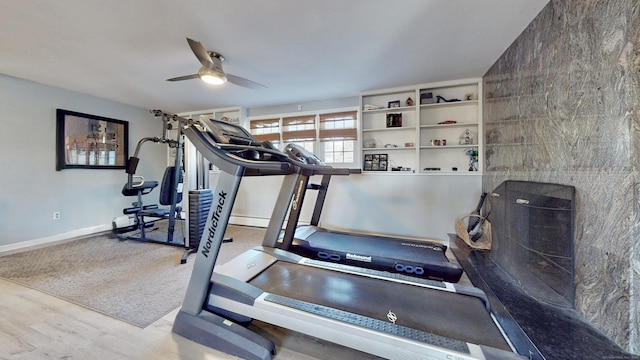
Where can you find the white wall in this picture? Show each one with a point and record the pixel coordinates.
(422, 206)
(32, 189)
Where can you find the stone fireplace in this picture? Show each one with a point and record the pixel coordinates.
(562, 105)
(533, 238)
(529, 273)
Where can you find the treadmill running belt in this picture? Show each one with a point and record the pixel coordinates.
(451, 315)
(384, 326)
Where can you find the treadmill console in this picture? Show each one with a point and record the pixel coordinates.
(301, 154)
(225, 133)
(246, 146)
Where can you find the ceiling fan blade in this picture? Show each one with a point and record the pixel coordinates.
(244, 82)
(200, 52)
(185, 77)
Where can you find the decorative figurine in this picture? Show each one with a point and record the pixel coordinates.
(473, 159)
(466, 138)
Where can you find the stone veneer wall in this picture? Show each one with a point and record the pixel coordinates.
(562, 105)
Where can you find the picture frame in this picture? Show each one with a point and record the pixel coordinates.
(394, 104)
(368, 162)
(394, 120)
(368, 165)
(375, 162)
(85, 141)
(427, 98)
(382, 166)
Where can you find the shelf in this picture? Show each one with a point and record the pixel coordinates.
(448, 147)
(389, 148)
(448, 125)
(399, 128)
(386, 110)
(415, 172)
(449, 104)
(464, 172)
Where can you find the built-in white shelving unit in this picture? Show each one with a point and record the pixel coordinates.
(430, 128)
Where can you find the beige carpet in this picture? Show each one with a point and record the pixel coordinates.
(132, 281)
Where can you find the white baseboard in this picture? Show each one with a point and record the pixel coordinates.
(257, 222)
(50, 240)
(248, 221)
(74, 234)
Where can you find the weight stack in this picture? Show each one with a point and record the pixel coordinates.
(199, 205)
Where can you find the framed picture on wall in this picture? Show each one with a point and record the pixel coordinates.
(86, 141)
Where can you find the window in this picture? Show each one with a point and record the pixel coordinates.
(338, 134)
(300, 130)
(266, 130)
(331, 136)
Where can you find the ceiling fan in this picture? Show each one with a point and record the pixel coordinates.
(211, 71)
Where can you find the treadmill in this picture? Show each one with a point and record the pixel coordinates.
(419, 258)
(389, 315)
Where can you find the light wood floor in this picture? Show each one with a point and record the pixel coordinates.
(34, 325)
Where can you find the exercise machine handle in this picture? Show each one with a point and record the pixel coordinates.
(137, 183)
(310, 163)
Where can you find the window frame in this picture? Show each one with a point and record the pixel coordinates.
(292, 136)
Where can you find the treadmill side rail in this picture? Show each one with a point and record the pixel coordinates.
(357, 332)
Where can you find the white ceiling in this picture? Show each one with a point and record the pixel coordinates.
(302, 50)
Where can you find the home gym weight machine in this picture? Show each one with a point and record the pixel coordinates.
(139, 216)
(389, 315)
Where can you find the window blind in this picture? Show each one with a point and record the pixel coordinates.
(265, 129)
(339, 126)
(299, 128)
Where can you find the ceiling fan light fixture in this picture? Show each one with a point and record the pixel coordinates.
(211, 71)
(212, 76)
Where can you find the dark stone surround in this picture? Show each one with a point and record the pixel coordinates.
(537, 330)
(562, 105)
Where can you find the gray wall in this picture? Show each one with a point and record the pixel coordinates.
(562, 105)
(32, 189)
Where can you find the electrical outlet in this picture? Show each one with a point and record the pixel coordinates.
(56, 215)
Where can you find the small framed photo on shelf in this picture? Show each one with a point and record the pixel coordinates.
(394, 120)
(382, 166)
(368, 162)
(426, 98)
(375, 162)
(394, 104)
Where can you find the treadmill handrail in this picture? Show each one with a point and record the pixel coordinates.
(212, 150)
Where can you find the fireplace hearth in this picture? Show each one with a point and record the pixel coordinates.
(528, 275)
